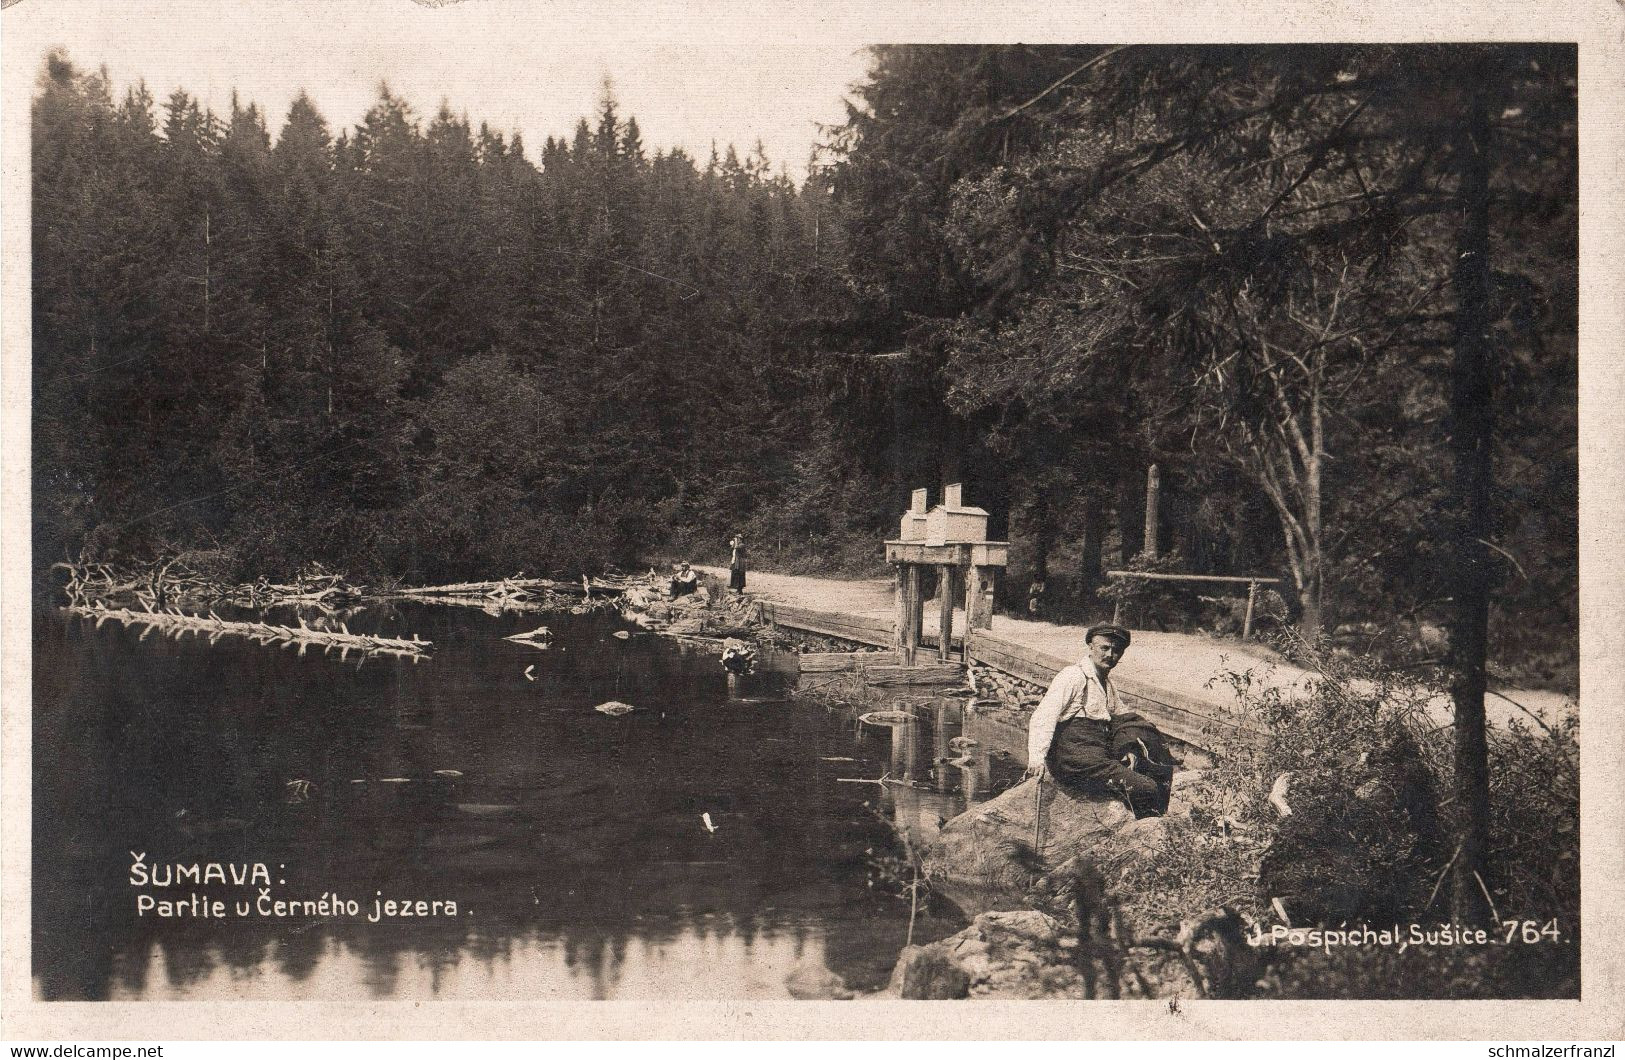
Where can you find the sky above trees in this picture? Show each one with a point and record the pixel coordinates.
(526, 68)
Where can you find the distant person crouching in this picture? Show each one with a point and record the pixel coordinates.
(685, 581)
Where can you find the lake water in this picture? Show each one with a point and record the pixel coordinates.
(573, 844)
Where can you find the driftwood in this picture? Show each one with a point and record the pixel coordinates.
(516, 586)
(490, 605)
(523, 594)
(1278, 793)
(521, 587)
(162, 583)
(176, 623)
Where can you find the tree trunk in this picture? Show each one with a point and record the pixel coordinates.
(1468, 518)
(1041, 525)
(1090, 573)
(1153, 494)
(950, 456)
(1309, 602)
(1313, 458)
(1130, 513)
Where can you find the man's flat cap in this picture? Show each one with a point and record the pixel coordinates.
(1106, 629)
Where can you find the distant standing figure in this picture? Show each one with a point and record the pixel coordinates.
(684, 581)
(1035, 597)
(736, 565)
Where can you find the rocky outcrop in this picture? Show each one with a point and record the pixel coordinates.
(1014, 954)
(1068, 938)
(699, 614)
(998, 851)
(1030, 955)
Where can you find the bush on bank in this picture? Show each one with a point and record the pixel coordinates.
(1370, 841)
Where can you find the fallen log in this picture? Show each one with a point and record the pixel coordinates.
(177, 623)
(491, 606)
(844, 661)
(515, 586)
(520, 587)
(938, 674)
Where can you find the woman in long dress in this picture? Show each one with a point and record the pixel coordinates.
(736, 565)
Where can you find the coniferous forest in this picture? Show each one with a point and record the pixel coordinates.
(1330, 292)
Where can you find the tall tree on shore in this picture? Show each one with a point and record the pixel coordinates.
(1278, 227)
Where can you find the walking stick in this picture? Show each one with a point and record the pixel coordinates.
(1038, 815)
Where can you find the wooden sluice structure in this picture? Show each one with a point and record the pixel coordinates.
(952, 539)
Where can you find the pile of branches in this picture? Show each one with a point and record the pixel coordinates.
(174, 580)
(177, 623)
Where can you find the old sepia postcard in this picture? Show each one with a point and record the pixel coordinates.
(720, 520)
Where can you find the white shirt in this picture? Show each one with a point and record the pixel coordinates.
(1076, 690)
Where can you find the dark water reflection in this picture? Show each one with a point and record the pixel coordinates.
(572, 843)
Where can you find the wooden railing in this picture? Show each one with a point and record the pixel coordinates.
(1251, 581)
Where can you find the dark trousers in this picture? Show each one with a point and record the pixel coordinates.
(1088, 755)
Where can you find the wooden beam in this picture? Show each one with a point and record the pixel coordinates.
(927, 674)
(861, 629)
(982, 553)
(833, 662)
(1242, 579)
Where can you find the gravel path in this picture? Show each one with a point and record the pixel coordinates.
(1179, 662)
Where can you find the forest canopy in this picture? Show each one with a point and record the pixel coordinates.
(421, 349)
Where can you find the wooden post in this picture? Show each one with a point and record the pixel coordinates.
(946, 598)
(914, 604)
(977, 582)
(900, 603)
(973, 589)
(1247, 623)
(1153, 485)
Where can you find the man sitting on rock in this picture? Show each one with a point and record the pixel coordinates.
(685, 581)
(1080, 734)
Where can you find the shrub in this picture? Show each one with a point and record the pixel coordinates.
(1371, 836)
(1147, 600)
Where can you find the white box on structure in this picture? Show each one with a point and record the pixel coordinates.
(913, 524)
(953, 521)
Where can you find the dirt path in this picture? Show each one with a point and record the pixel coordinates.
(1189, 663)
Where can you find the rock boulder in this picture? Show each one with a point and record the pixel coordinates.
(991, 847)
(1028, 955)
